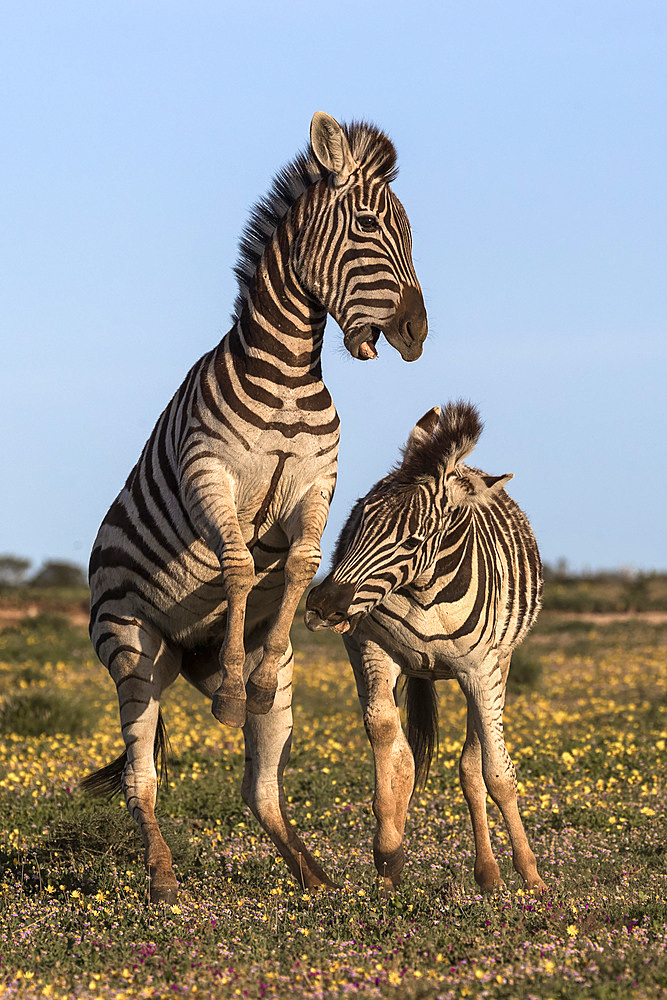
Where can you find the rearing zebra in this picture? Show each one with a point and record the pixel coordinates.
(199, 564)
(436, 575)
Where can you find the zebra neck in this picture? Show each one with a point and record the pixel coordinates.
(280, 323)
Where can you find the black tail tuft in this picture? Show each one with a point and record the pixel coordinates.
(161, 751)
(108, 781)
(421, 709)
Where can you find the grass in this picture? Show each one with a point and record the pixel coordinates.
(586, 722)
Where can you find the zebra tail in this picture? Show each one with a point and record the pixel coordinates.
(108, 781)
(421, 709)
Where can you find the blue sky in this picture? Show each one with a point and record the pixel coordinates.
(532, 150)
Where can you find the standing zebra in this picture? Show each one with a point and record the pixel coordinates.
(436, 575)
(201, 561)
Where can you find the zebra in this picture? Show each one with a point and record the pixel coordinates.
(200, 562)
(436, 574)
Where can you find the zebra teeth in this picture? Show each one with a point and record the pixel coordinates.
(341, 627)
(367, 351)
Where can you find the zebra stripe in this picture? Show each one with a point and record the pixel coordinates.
(436, 574)
(199, 565)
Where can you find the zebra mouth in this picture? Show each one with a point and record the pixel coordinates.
(314, 622)
(362, 346)
(342, 626)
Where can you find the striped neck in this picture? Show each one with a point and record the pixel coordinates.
(280, 323)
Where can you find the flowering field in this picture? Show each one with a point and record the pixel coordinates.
(586, 723)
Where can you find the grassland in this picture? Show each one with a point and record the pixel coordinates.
(586, 723)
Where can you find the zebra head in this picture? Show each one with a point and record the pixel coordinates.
(394, 533)
(354, 252)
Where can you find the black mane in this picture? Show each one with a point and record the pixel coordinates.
(454, 436)
(372, 150)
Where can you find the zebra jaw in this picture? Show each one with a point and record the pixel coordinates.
(364, 349)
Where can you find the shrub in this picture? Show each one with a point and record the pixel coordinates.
(59, 574)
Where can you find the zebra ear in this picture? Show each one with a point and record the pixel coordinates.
(331, 147)
(474, 487)
(421, 433)
(494, 483)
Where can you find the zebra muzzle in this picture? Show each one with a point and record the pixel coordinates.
(408, 329)
(327, 606)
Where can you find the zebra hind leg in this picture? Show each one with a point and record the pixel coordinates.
(142, 667)
(268, 740)
(486, 698)
(487, 872)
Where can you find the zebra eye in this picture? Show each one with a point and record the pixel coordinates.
(368, 222)
(412, 543)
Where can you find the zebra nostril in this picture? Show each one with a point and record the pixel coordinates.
(407, 331)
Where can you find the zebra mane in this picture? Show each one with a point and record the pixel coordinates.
(373, 151)
(454, 436)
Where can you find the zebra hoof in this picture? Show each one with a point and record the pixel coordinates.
(165, 890)
(259, 700)
(387, 886)
(389, 866)
(229, 711)
(164, 894)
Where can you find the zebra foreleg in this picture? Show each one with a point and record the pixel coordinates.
(229, 701)
(376, 675)
(485, 692)
(304, 530)
(142, 667)
(268, 740)
(208, 491)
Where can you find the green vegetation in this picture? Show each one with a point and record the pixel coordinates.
(586, 722)
(615, 593)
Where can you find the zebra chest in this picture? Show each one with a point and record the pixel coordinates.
(412, 637)
(273, 492)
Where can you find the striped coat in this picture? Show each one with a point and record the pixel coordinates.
(201, 561)
(436, 575)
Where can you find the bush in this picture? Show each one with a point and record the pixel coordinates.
(13, 570)
(59, 574)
